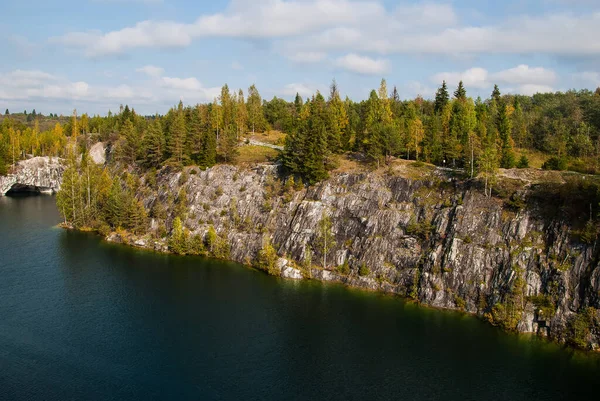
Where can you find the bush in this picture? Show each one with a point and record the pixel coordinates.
(555, 163)
(589, 234)
(267, 258)
(581, 326)
(523, 162)
(344, 269)
(515, 202)
(363, 270)
(183, 178)
(422, 230)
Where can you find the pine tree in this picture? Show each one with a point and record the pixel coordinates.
(441, 98)
(115, 209)
(520, 134)
(417, 134)
(131, 146)
(496, 94)
(241, 115)
(338, 119)
(228, 145)
(507, 157)
(154, 145)
(460, 93)
(384, 103)
(227, 115)
(256, 118)
(178, 138)
(6, 113)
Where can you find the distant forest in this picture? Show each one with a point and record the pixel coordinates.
(553, 130)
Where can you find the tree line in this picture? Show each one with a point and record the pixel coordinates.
(452, 130)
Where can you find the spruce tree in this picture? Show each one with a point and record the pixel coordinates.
(461, 92)
(228, 144)
(178, 138)
(507, 157)
(441, 98)
(131, 144)
(338, 119)
(496, 94)
(154, 145)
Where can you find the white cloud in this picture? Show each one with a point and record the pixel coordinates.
(472, 78)
(521, 79)
(523, 74)
(531, 89)
(588, 78)
(320, 26)
(304, 90)
(307, 57)
(237, 66)
(363, 65)
(151, 70)
(33, 86)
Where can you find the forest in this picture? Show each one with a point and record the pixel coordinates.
(472, 136)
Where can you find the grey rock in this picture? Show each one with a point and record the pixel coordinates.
(43, 174)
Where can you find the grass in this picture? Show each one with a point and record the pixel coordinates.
(272, 137)
(256, 154)
(536, 158)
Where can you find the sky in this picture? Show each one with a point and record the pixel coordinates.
(94, 55)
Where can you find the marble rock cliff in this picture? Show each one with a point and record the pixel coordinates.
(38, 174)
(436, 240)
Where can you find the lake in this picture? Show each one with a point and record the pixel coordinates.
(81, 319)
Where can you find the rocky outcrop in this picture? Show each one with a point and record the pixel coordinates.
(427, 237)
(38, 174)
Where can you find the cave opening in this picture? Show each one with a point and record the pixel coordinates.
(21, 189)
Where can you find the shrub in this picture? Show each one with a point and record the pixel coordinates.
(523, 162)
(267, 258)
(183, 178)
(344, 269)
(460, 302)
(555, 163)
(589, 234)
(581, 326)
(422, 230)
(363, 270)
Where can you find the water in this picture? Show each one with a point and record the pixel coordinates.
(81, 319)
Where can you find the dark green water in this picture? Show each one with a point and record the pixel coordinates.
(84, 320)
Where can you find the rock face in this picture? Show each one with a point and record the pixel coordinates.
(41, 174)
(437, 241)
(98, 153)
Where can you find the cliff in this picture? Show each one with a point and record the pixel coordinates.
(517, 259)
(38, 174)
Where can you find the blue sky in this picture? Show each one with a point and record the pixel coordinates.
(94, 55)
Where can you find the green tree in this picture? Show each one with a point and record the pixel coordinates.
(267, 258)
(178, 138)
(154, 145)
(256, 118)
(441, 98)
(460, 93)
(325, 240)
(507, 157)
(179, 238)
(496, 94)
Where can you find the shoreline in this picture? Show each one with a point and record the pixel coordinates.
(325, 277)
